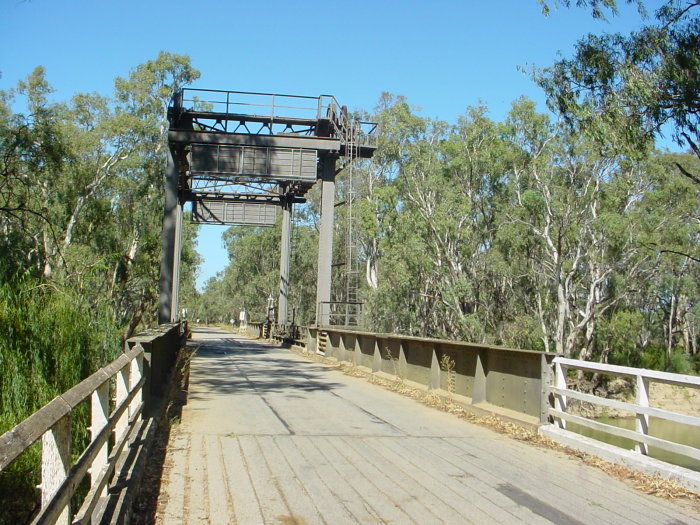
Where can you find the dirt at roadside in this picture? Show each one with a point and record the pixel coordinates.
(682, 400)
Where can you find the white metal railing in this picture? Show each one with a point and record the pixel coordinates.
(640, 408)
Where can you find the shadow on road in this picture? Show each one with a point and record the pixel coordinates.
(232, 367)
(146, 504)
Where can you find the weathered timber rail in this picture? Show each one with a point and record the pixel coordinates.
(124, 398)
(641, 410)
(523, 386)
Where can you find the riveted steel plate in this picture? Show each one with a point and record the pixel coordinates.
(245, 162)
(233, 213)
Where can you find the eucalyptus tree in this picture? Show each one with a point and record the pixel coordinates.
(630, 88)
(81, 194)
(575, 203)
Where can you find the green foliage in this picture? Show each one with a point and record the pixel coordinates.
(680, 363)
(598, 7)
(521, 233)
(626, 88)
(80, 220)
(50, 340)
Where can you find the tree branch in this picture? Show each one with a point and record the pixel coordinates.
(685, 172)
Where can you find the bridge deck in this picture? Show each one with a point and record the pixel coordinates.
(268, 437)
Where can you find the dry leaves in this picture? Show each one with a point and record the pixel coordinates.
(649, 484)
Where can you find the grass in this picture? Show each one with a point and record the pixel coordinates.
(50, 340)
(447, 365)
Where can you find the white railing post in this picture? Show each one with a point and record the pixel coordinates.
(98, 420)
(134, 378)
(642, 423)
(560, 399)
(123, 379)
(55, 463)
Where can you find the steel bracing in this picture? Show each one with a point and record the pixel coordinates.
(241, 156)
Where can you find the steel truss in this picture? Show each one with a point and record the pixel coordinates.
(235, 155)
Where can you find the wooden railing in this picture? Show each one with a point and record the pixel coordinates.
(119, 396)
(640, 408)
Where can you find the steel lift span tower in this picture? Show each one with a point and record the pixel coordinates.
(239, 157)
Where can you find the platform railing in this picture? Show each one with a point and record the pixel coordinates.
(640, 408)
(341, 313)
(122, 397)
(277, 105)
(252, 103)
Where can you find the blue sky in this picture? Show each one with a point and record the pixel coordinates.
(443, 55)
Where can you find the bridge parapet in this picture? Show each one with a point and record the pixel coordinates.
(524, 386)
(491, 377)
(123, 399)
(511, 382)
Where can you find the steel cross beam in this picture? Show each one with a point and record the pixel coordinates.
(224, 167)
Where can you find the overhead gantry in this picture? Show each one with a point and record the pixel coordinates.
(240, 156)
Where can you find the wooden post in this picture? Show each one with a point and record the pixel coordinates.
(55, 463)
(99, 415)
(560, 382)
(134, 378)
(123, 385)
(642, 424)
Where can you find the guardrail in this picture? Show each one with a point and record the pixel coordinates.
(640, 408)
(507, 381)
(276, 105)
(122, 399)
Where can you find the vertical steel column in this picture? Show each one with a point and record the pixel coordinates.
(325, 242)
(175, 307)
(285, 249)
(170, 257)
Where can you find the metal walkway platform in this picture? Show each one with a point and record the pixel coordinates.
(269, 437)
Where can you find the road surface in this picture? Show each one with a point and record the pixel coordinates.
(270, 437)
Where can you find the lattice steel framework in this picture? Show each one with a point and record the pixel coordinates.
(237, 154)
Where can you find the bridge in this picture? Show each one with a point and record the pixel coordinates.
(272, 431)
(268, 437)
